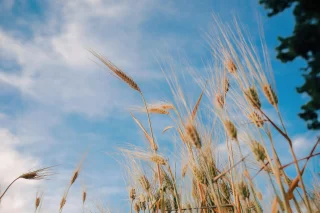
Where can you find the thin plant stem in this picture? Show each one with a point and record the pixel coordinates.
(9, 187)
(231, 162)
(175, 188)
(277, 172)
(251, 183)
(158, 166)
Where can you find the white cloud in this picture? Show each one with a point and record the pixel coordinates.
(13, 164)
(302, 144)
(55, 67)
(12, 158)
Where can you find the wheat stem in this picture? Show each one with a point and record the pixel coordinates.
(9, 187)
(294, 158)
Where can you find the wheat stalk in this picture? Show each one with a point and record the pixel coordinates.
(32, 175)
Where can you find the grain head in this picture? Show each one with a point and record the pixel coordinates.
(230, 65)
(136, 207)
(168, 206)
(84, 196)
(243, 190)
(117, 72)
(144, 182)
(258, 151)
(37, 202)
(199, 174)
(270, 95)
(158, 110)
(252, 96)
(226, 85)
(194, 190)
(256, 119)
(167, 181)
(230, 129)
(132, 194)
(193, 135)
(37, 174)
(74, 177)
(158, 159)
(166, 106)
(184, 170)
(219, 101)
(142, 200)
(62, 202)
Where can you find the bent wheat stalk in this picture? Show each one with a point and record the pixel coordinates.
(33, 175)
(294, 158)
(124, 77)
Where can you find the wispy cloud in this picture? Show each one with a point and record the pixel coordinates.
(303, 143)
(14, 163)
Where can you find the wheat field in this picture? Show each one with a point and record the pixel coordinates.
(236, 89)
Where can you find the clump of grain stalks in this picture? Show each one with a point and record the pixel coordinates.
(235, 89)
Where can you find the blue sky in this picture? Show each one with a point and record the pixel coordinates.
(55, 103)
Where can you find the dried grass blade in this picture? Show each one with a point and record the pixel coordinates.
(292, 187)
(295, 182)
(225, 172)
(196, 107)
(167, 128)
(262, 167)
(305, 158)
(149, 138)
(274, 207)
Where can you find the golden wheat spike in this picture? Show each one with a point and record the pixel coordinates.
(158, 110)
(230, 129)
(62, 203)
(158, 159)
(253, 97)
(84, 197)
(132, 194)
(193, 135)
(119, 73)
(270, 95)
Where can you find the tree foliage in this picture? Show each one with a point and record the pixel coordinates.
(305, 43)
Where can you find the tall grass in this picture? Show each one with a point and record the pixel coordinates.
(240, 89)
(202, 176)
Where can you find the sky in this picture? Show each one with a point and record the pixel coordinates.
(56, 103)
